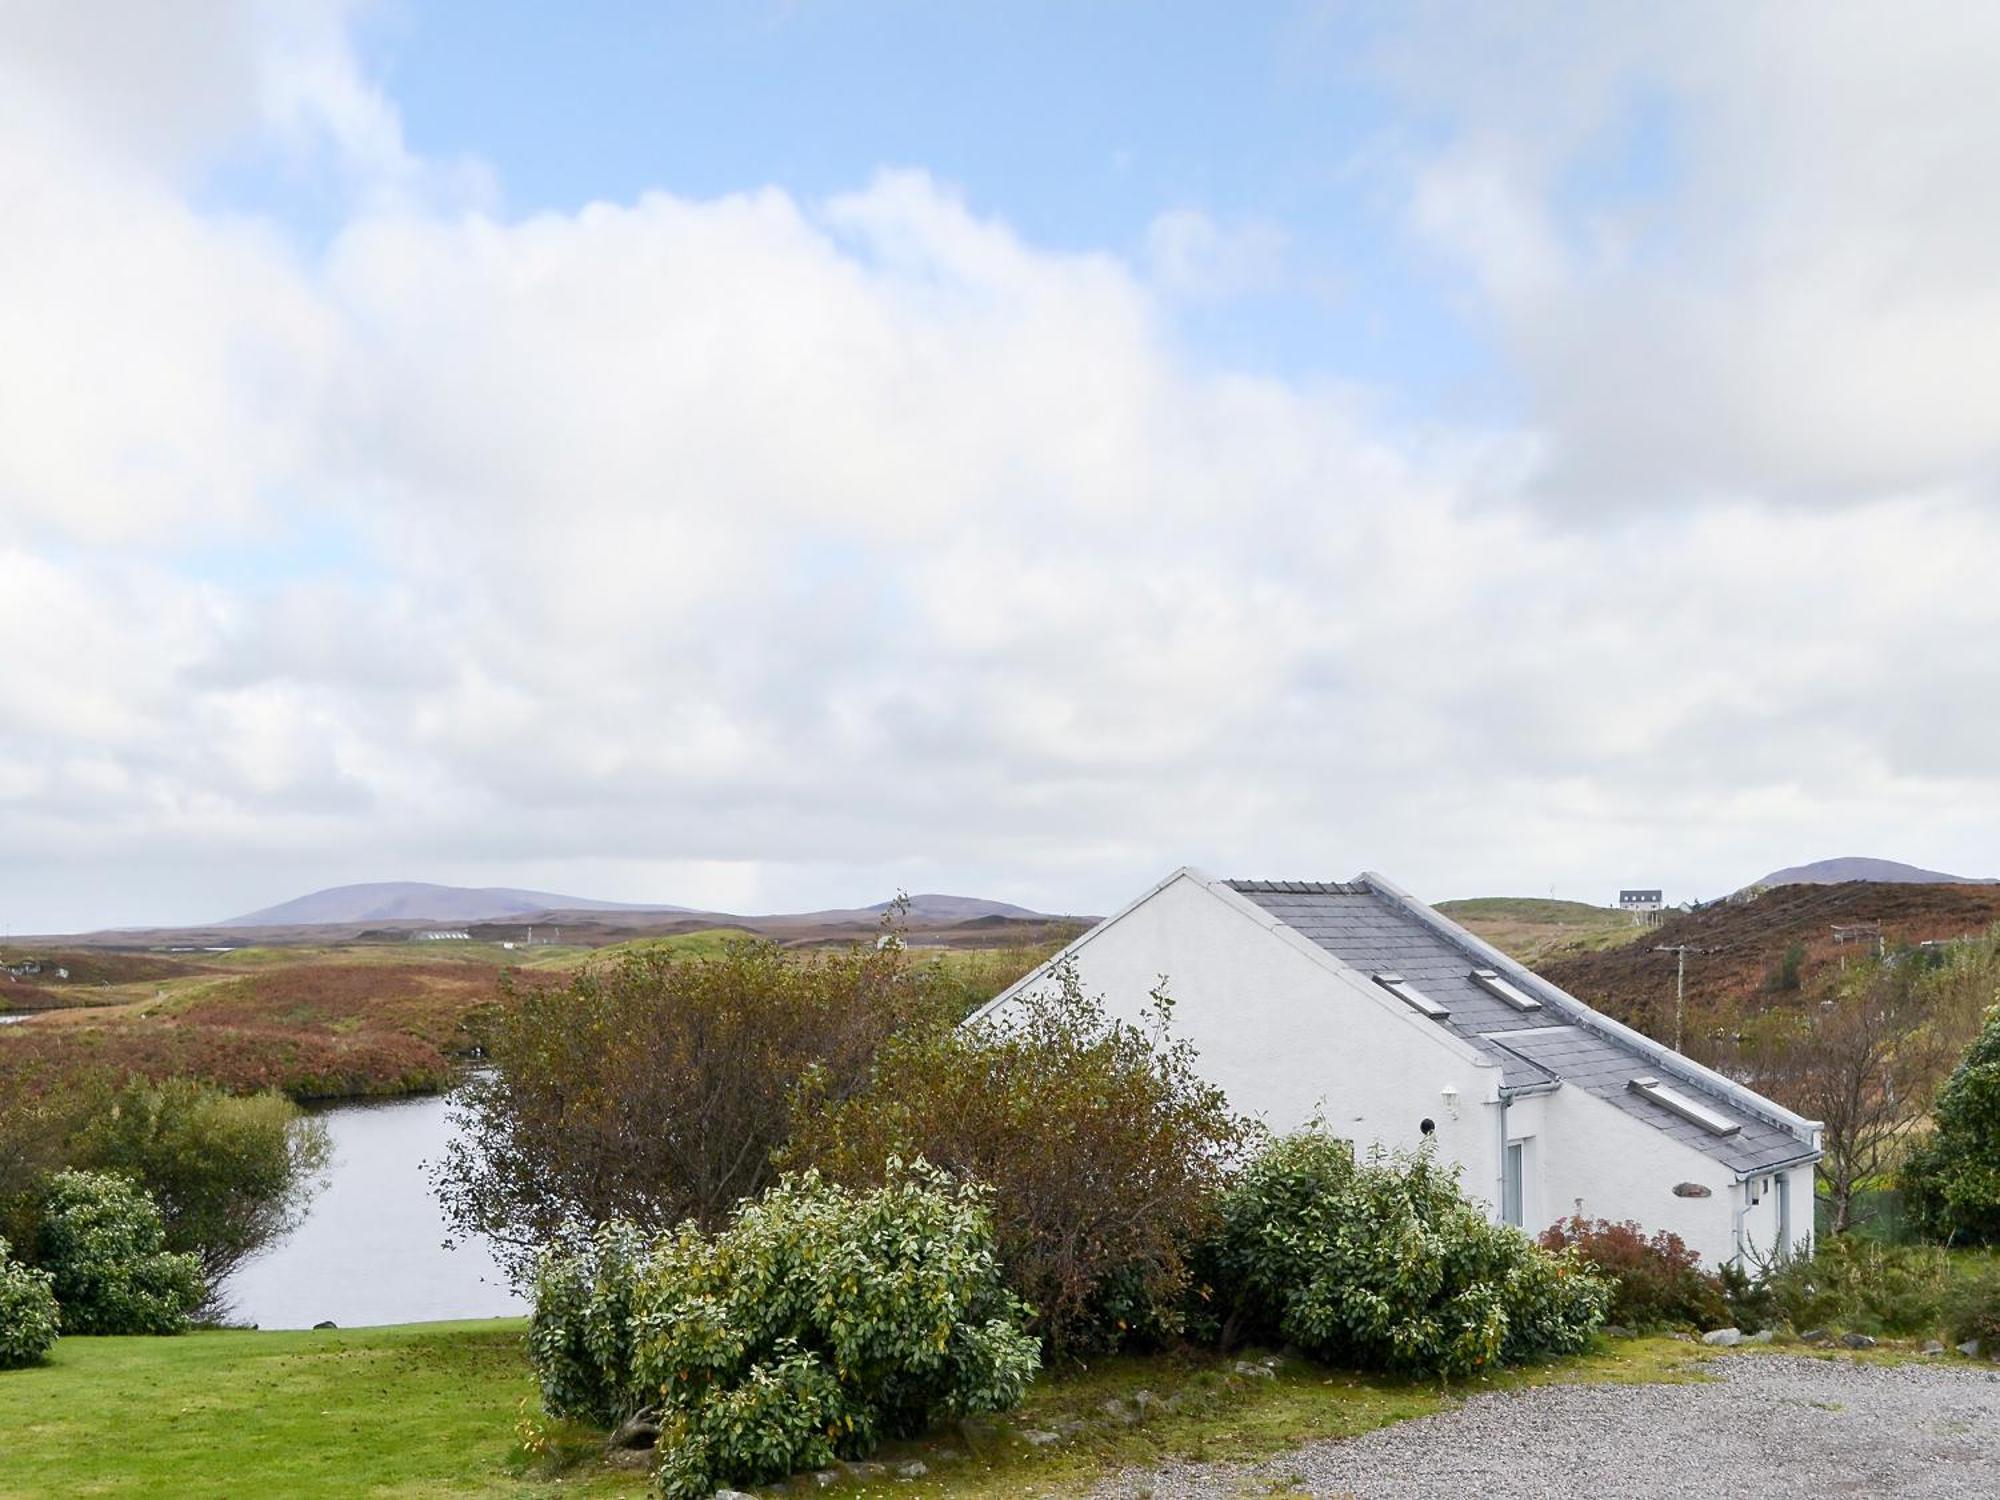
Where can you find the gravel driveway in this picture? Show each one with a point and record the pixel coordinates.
(1771, 1427)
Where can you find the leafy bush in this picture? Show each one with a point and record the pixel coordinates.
(104, 1246)
(1656, 1281)
(1854, 1283)
(657, 1089)
(1104, 1149)
(229, 1174)
(1972, 1311)
(29, 1318)
(580, 1338)
(1951, 1183)
(819, 1323)
(1387, 1266)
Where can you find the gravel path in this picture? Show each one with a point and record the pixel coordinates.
(1772, 1427)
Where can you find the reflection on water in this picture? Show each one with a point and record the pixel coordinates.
(372, 1248)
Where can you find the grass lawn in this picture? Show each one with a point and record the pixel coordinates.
(427, 1409)
(431, 1410)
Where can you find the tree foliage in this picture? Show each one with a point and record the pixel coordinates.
(657, 1089)
(1866, 1060)
(817, 1324)
(103, 1244)
(1104, 1149)
(29, 1319)
(1951, 1183)
(230, 1174)
(1385, 1265)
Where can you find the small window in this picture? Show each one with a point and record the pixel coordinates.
(1411, 996)
(1713, 1121)
(1505, 989)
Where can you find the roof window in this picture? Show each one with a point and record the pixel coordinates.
(1411, 996)
(1713, 1121)
(1502, 988)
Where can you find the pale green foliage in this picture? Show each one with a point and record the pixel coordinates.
(1387, 1266)
(819, 1322)
(29, 1319)
(103, 1243)
(580, 1338)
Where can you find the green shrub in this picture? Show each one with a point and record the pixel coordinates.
(230, 1174)
(1951, 1184)
(1387, 1266)
(104, 1246)
(820, 1322)
(1854, 1283)
(580, 1338)
(1103, 1146)
(1972, 1311)
(1656, 1281)
(29, 1318)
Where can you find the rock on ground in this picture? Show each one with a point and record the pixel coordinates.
(1769, 1428)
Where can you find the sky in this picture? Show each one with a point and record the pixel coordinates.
(766, 455)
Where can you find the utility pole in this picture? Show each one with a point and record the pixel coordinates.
(1680, 952)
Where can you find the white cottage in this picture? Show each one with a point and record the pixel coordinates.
(1355, 1003)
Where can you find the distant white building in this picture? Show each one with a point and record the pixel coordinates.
(1355, 1003)
(447, 935)
(1641, 901)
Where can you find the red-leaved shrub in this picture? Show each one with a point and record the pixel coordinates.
(1658, 1281)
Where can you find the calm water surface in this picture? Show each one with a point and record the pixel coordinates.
(372, 1248)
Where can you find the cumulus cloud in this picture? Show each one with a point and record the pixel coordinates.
(762, 551)
(1737, 252)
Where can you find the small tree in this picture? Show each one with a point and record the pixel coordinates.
(1952, 1182)
(1103, 1146)
(104, 1246)
(1866, 1062)
(656, 1089)
(230, 1174)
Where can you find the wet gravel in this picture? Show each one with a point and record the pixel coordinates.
(1771, 1427)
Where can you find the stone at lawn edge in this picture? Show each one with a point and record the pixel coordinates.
(1815, 1336)
(916, 1468)
(1761, 1336)
(1932, 1346)
(1857, 1341)
(1035, 1438)
(1970, 1348)
(1617, 1331)
(1256, 1372)
(1723, 1338)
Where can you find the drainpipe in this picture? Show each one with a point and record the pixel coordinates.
(1500, 1180)
(1742, 1197)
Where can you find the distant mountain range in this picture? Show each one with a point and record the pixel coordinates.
(415, 901)
(1853, 867)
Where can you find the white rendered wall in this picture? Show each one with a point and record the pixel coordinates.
(1287, 1035)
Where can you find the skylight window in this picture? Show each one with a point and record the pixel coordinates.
(1494, 984)
(1411, 996)
(1713, 1121)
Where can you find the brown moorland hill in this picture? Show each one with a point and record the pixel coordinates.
(1742, 944)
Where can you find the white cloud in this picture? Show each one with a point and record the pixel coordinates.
(766, 552)
(1735, 251)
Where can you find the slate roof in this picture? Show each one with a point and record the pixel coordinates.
(1374, 929)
